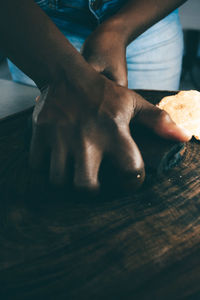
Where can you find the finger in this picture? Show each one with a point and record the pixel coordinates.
(158, 120)
(59, 155)
(39, 151)
(129, 161)
(119, 76)
(87, 163)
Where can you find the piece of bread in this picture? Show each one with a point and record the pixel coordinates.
(184, 109)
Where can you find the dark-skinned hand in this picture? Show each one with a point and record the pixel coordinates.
(85, 123)
(106, 53)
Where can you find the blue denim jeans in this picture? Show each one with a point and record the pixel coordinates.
(154, 59)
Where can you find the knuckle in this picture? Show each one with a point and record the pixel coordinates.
(117, 125)
(115, 119)
(122, 82)
(109, 119)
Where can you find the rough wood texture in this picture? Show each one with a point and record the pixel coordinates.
(142, 246)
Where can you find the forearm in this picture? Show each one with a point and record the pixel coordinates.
(136, 16)
(31, 40)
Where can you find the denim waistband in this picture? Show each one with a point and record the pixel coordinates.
(81, 10)
(82, 15)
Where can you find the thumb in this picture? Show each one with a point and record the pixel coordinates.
(158, 120)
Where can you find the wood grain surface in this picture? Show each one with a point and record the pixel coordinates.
(145, 245)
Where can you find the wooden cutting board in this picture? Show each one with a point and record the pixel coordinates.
(142, 246)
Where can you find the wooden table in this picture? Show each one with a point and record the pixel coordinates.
(142, 246)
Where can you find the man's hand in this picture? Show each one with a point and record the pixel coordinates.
(85, 124)
(105, 48)
(105, 51)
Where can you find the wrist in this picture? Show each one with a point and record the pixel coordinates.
(70, 68)
(116, 28)
(80, 80)
(114, 31)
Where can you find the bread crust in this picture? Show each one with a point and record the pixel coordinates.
(184, 109)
